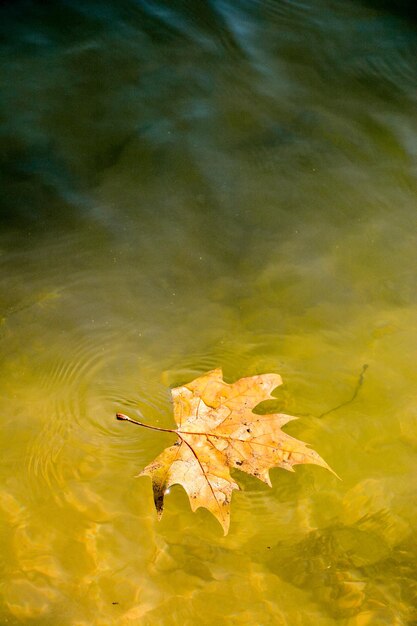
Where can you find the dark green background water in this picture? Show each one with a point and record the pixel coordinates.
(187, 185)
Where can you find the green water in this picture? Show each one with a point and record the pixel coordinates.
(190, 185)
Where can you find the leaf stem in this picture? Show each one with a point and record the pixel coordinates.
(125, 418)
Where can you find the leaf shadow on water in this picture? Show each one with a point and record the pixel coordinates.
(351, 569)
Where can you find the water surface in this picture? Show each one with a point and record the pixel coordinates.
(187, 185)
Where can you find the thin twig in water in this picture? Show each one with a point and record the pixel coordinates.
(354, 395)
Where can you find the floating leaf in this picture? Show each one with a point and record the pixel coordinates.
(217, 430)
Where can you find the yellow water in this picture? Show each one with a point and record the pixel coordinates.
(193, 186)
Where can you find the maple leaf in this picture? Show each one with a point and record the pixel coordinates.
(217, 430)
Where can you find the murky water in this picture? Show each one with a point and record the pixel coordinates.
(188, 185)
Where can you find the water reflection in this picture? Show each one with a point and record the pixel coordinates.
(186, 186)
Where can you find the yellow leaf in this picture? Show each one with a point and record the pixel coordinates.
(217, 430)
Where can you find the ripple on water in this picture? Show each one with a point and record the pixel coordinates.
(76, 408)
(235, 359)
